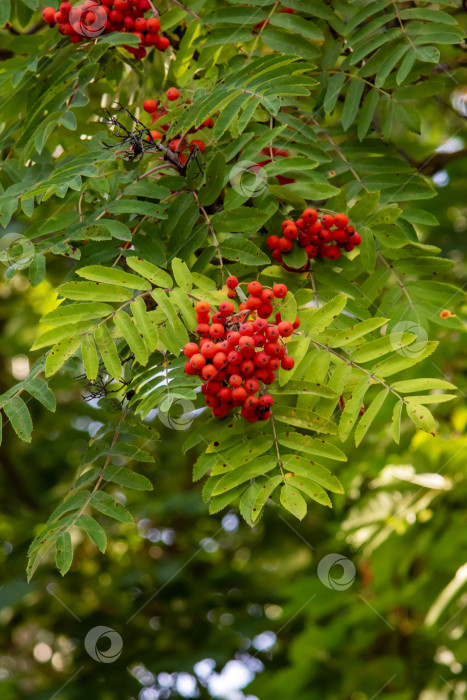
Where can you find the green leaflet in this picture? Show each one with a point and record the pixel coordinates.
(302, 466)
(60, 353)
(154, 274)
(113, 275)
(144, 324)
(63, 553)
(310, 488)
(93, 291)
(94, 530)
(127, 328)
(18, 414)
(293, 501)
(369, 415)
(126, 477)
(90, 358)
(107, 505)
(240, 476)
(108, 352)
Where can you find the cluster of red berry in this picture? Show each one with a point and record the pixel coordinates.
(96, 17)
(179, 145)
(236, 356)
(323, 238)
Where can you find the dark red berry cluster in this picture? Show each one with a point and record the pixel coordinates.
(96, 17)
(239, 353)
(178, 145)
(321, 237)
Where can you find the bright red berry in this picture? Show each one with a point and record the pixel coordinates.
(280, 291)
(341, 220)
(285, 328)
(255, 288)
(231, 282)
(198, 361)
(190, 349)
(287, 362)
(150, 106)
(172, 94)
(327, 221)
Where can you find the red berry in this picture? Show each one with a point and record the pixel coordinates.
(251, 385)
(291, 231)
(251, 402)
(272, 333)
(219, 359)
(287, 362)
(334, 252)
(208, 349)
(265, 310)
(253, 303)
(267, 295)
(311, 251)
(247, 328)
(266, 401)
(261, 359)
(226, 308)
(255, 288)
(341, 220)
(327, 221)
(287, 222)
(225, 394)
(172, 94)
(277, 255)
(190, 349)
(202, 329)
(211, 401)
(208, 372)
(150, 106)
(238, 396)
(247, 367)
(235, 380)
(340, 236)
(355, 239)
(285, 245)
(48, 15)
(153, 24)
(273, 349)
(309, 216)
(231, 282)
(189, 369)
(280, 291)
(296, 323)
(272, 242)
(285, 328)
(140, 24)
(216, 330)
(163, 43)
(234, 357)
(202, 307)
(246, 342)
(213, 387)
(200, 144)
(198, 361)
